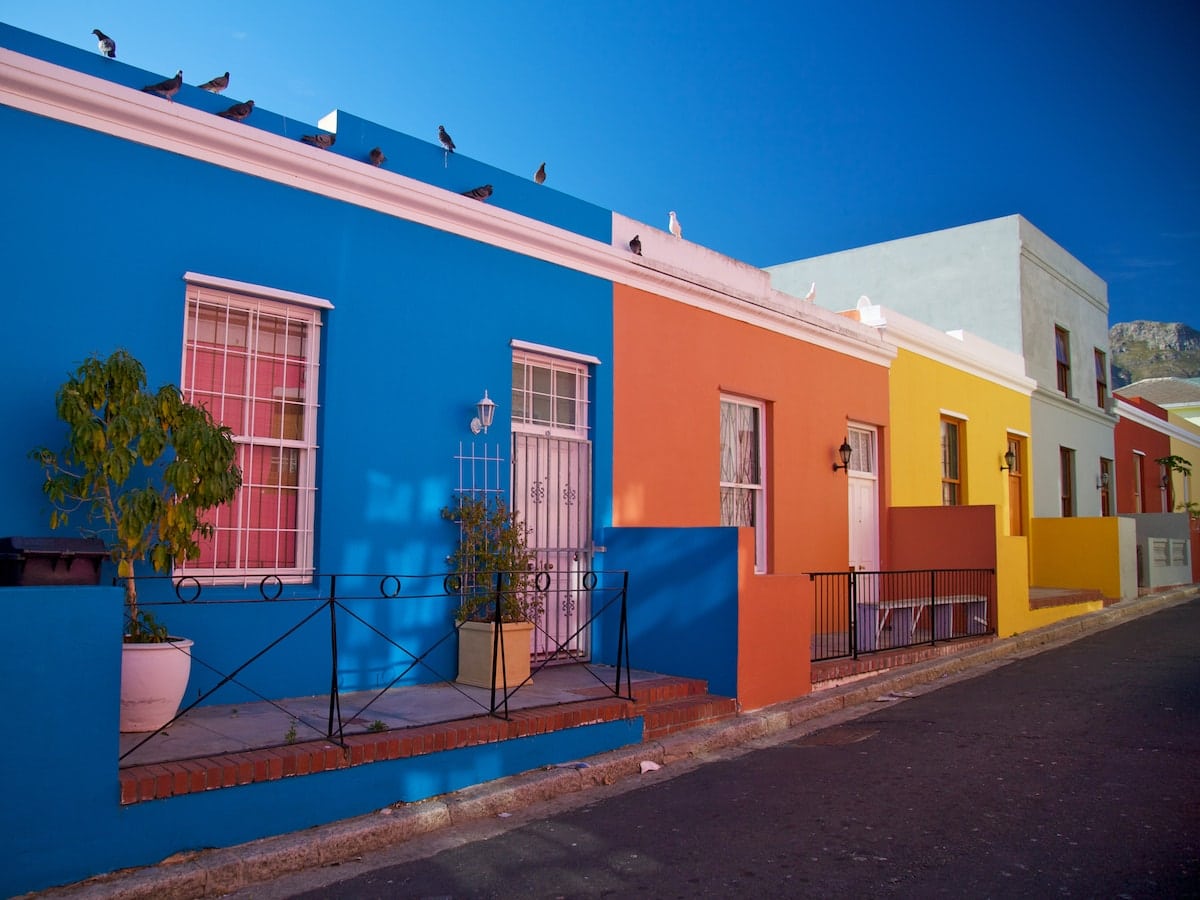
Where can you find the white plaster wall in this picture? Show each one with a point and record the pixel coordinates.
(1059, 422)
(1127, 541)
(959, 278)
(1058, 290)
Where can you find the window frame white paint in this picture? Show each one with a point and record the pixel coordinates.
(258, 302)
(577, 367)
(757, 489)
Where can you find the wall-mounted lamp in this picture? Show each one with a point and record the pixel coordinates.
(1010, 461)
(1101, 481)
(485, 411)
(844, 452)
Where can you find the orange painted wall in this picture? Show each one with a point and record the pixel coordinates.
(671, 363)
(774, 632)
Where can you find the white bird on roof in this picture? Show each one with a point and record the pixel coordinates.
(674, 226)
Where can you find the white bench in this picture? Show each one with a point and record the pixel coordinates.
(903, 615)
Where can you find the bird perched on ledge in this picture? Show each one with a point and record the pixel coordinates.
(323, 141)
(376, 157)
(445, 139)
(168, 88)
(106, 44)
(635, 244)
(479, 193)
(238, 111)
(216, 85)
(540, 175)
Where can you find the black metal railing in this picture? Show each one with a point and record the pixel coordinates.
(346, 599)
(855, 613)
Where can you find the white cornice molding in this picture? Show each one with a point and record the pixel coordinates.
(62, 94)
(924, 340)
(772, 310)
(1142, 417)
(1075, 406)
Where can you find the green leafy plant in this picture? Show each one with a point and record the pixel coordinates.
(142, 467)
(493, 541)
(289, 736)
(377, 726)
(1180, 464)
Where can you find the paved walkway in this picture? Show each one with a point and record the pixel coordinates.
(217, 872)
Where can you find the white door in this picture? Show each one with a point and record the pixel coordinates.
(863, 488)
(552, 479)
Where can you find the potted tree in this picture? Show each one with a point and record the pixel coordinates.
(142, 468)
(496, 575)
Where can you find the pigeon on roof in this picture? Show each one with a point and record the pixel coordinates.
(674, 226)
(480, 193)
(445, 139)
(238, 111)
(635, 244)
(377, 158)
(217, 84)
(540, 175)
(324, 141)
(168, 88)
(107, 45)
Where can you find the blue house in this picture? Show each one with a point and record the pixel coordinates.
(345, 319)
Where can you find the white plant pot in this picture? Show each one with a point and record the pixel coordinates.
(153, 679)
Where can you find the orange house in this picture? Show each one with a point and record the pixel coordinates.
(730, 402)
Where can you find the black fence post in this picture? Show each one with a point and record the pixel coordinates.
(932, 606)
(623, 643)
(335, 701)
(852, 612)
(498, 648)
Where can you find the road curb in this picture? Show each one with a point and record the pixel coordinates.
(212, 873)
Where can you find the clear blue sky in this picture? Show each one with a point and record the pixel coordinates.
(776, 130)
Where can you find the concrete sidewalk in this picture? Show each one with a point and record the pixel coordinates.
(213, 873)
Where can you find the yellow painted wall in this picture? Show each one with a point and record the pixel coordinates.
(1189, 450)
(1078, 553)
(920, 389)
(1012, 585)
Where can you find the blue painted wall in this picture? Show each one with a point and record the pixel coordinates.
(421, 325)
(683, 602)
(101, 233)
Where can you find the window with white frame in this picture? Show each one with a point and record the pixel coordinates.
(252, 362)
(549, 394)
(743, 483)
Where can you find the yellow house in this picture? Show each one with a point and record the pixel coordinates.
(959, 436)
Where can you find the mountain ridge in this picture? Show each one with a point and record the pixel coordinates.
(1145, 349)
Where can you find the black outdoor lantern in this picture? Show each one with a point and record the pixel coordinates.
(844, 452)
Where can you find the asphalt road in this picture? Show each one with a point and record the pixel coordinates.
(1072, 773)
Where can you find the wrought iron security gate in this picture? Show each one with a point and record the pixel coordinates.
(552, 492)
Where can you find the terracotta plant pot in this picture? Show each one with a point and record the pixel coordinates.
(153, 680)
(475, 643)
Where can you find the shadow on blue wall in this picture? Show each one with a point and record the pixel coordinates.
(683, 602)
